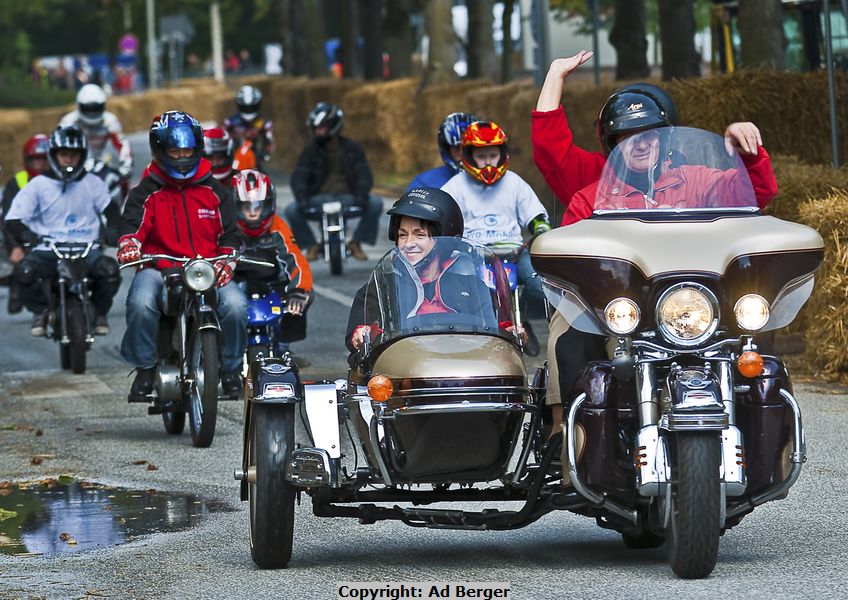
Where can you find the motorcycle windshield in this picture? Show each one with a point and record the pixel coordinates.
(673, 171)
(441, 285)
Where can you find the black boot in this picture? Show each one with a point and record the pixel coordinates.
(531, 348)
(143, 383)
(15, 301)
(231, 383)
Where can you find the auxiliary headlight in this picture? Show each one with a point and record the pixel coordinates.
(687, 314)
(622, 316)
(199, 275)
(752, 312)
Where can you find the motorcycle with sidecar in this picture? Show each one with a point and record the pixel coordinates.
(673, 437)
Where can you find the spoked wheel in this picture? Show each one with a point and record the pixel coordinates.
(203, 396)
(270, 496)
(694, 528)
(78, 347)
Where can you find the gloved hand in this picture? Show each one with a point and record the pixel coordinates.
(125, 171)
(224, 269)
(297, 301)
(129, 250)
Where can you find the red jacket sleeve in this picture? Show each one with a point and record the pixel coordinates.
(762, 176)
(581, 206)
(567, 168)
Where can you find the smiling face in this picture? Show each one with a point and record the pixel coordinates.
(413, 239)
(640, 151)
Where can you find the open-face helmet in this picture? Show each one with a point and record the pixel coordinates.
(450, 134)
(633, 108)
(432, 205)
(481, 134)
(325, 115)
(91, 104)
(248, 99)
(176, 129)
(69, 137)
(254, 194)
(38, 146)
(219, 148)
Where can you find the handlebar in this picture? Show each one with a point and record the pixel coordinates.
(57, 248)
(146, 258)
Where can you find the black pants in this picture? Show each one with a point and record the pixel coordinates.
(574, 349)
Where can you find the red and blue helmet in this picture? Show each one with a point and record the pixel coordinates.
(176, 129)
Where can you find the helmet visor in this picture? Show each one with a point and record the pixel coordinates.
(179, 137)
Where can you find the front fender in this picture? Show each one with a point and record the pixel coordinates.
(207, 318)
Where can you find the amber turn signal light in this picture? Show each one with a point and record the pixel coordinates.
(749, 363)
(380, 388)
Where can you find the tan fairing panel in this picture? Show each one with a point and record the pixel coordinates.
(449, 356)
(656, 247)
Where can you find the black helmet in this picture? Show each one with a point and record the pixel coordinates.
(248, 100)
(69, 137)
(427, 204)
(632, 108)
(328, 115)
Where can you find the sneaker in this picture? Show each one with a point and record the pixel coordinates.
(39, 324)
(15, 301)
(101, 325)
(231, 383)
(531, 348)
(354, 248)
(314, 252)
(142, 385)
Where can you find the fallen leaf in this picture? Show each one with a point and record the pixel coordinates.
(64, 536)
(38, 433)
(23, 427)
(72, 542)
(7, 514)
(152, 467)
(36, 460)
(139, 462)
(107, 507)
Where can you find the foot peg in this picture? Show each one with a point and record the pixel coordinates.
(142, 397)
(309, 467)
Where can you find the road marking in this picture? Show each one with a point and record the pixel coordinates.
(36, 385)
(333, 295)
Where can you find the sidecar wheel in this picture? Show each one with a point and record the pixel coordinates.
(643, 541)
(271, 497)
(693, 534)
(203, 397)
(78, 347)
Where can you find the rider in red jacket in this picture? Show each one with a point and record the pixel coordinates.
(179, 209)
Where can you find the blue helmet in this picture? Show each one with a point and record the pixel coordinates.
(450, 134)
(176, 129)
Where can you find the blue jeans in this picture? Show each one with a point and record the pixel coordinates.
(366, 230)
(532, 299)
(143, 311)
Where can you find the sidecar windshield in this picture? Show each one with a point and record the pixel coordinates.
(674, 170)
(456, 286)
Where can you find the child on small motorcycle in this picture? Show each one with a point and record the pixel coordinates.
(268, 238)
(497, 204)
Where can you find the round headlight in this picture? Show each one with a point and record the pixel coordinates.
(622, 316)
(199, 275)
(687, 314)
(752, 312)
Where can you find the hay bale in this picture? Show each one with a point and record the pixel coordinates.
(798, 182)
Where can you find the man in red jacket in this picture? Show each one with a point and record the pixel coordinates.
(179, 209)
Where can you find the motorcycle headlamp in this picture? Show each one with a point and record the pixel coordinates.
(687, 314)
(199, 275)
(752, 312)
(622, 316)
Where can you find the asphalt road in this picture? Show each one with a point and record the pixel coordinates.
(788, 549)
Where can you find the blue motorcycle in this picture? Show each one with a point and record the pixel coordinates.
(270, 328)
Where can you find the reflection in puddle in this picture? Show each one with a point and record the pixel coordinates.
(62, 516)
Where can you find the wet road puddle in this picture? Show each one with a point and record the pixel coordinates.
(64, 515)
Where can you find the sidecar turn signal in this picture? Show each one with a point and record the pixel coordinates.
(749, 363)
(380, 388)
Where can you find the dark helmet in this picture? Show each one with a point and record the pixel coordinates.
(328, 115)
(450, 134)
(633, 108)
(69, 137)
(431, 205)
(248, 99)
(176, 129)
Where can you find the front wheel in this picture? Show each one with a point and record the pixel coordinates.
(78, 348)
(694, 529)
(336, 244)
(270, 496)
(203, 392)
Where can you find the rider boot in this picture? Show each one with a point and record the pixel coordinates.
(16, 303)
(356, 251)
(531, 348)
(39, 324)
(314, 252)
(101, 325)
(231, 383)
(144, 381)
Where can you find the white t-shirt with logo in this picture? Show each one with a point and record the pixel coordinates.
(494, 213)
(69, 216)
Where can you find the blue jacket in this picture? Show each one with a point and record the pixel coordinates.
(433, 178)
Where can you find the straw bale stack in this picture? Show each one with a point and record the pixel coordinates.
(798, 182)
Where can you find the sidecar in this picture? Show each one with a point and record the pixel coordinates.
(437, 408)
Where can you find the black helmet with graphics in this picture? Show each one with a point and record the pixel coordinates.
(632, 108)
(431, 205)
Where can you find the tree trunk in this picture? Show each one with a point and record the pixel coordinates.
(397, 33)
(481, 43)
(628, 38)
(506, 55)
(311, 35)
(677, 33)
(761, 33)
(442, 52)
(371, 22)
(349, 34)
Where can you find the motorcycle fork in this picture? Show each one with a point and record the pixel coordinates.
(332, 231)
(63, 311)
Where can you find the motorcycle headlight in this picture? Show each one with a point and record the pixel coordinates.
(687, 314)
(199, 275)
(752, 312)
(622, 316)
